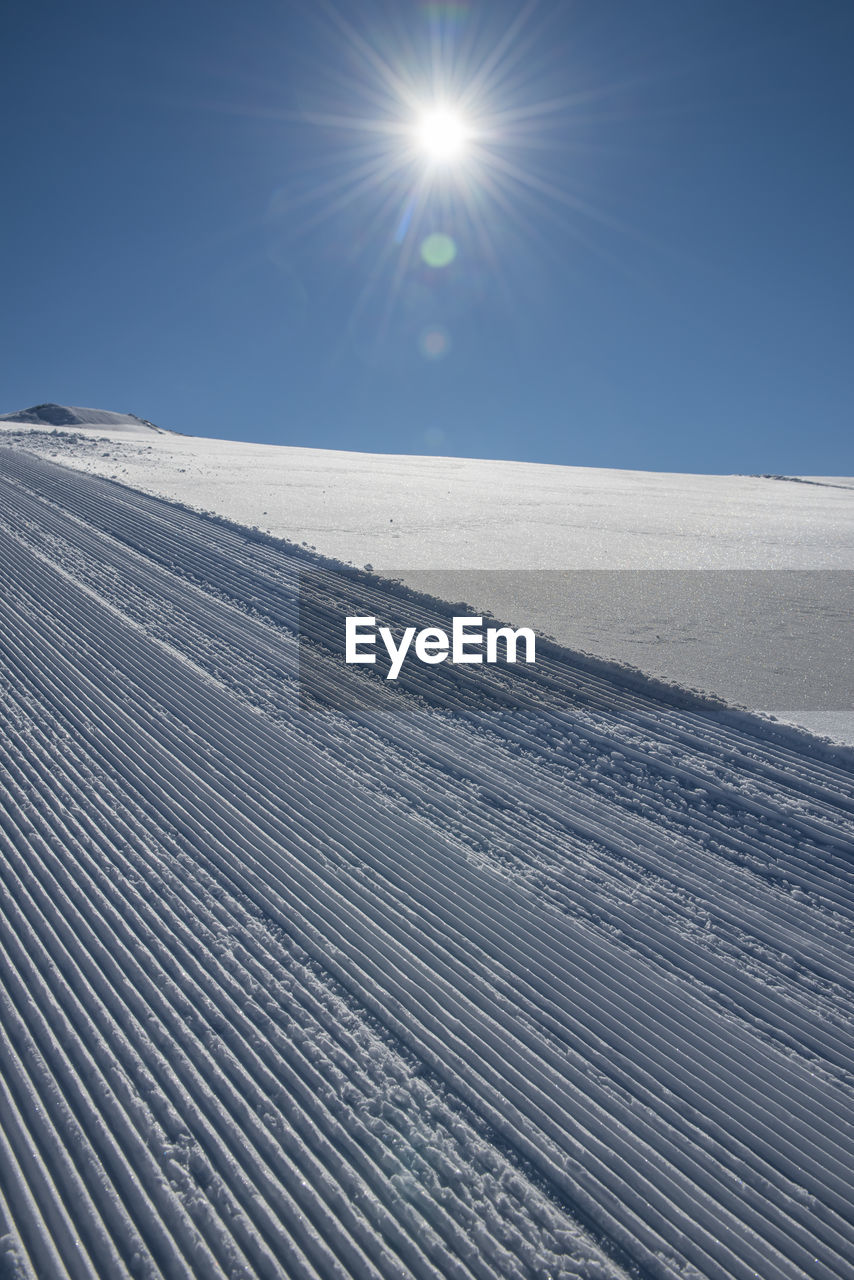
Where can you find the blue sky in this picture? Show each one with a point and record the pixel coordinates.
(215, 217)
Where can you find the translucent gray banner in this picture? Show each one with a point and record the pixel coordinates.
(764, 639)
(780, 642)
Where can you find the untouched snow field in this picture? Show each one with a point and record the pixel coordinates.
(535, 972)
(408, 512)
(505, 536)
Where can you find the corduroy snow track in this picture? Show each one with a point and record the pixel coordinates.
(530, 971)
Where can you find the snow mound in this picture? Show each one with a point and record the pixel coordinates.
(64, 415)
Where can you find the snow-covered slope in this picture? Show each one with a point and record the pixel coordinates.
(408, 512)
(496, 972)
(63, 415)
(508, 537)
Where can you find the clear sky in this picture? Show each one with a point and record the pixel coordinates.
(226, 218)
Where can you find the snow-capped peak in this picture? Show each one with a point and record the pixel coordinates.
(64, 415)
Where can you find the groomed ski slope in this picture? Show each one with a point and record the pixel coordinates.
(517, 539)
(529, 973)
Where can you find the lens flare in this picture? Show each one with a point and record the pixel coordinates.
(438, 250)
(434, 343)
(434, 437)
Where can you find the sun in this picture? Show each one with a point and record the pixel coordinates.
(446, 145)
(442, 134)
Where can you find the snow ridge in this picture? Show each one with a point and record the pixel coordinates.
(61, 415)
(508, 972)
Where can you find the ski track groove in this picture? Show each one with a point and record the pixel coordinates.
(741, 887)
(520, 972)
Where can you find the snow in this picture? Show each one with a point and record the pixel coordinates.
(507, 537)
(60, 415)
(527, 972)
(402, 511)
